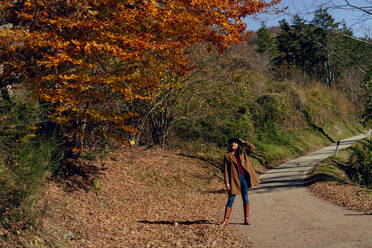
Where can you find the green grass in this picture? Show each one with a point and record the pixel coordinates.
(274, 151)
(339, 129)
(307, 140)
(330, 172)
(334, 169)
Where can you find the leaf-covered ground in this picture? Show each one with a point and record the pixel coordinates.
(143, 198)
(350, 196)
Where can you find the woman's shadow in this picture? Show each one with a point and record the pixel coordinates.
(164, 222)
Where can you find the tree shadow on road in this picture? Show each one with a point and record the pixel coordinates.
(321, 178)
(349, 171)
(361, 214)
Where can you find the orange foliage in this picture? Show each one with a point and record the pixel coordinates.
(90, 58)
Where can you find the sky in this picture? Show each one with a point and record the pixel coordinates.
(360, 23)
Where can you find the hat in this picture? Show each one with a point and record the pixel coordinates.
(236, 140)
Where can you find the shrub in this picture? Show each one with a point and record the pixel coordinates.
(217, 128)
(361, 161)
(27, 153)
(269, 112)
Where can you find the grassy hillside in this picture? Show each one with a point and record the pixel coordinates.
(282, 119)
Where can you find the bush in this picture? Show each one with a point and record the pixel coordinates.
(269, 112)
(361, 161)
(27, 153)
(215, 130)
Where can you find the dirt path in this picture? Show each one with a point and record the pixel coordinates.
(285, 214)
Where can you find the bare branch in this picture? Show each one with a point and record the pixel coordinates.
(336, 55)
(341, 34)
(364, 9)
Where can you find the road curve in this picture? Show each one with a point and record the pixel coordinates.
(284, 214)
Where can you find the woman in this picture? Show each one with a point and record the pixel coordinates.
(239, 176)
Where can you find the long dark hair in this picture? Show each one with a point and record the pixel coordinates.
(239, 150)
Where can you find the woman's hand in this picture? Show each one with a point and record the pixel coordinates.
(252, 147)
(228, 186)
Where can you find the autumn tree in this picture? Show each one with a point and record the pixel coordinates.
(89, 60)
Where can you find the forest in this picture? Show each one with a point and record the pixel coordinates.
(79, 79)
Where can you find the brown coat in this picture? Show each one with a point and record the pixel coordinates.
(232, 174)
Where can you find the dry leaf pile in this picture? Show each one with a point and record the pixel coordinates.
(350, 196)
(143, 198)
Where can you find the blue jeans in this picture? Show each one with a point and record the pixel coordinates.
(244, 189)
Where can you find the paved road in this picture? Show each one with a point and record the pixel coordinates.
(285, 214)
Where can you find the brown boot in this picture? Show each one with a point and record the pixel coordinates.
(227, 216)
(246, 214)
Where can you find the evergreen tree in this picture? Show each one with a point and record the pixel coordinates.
(324, 62)
(304, 45)
(367, 116)
(285, 60)
(316, 48)
(265, 42)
